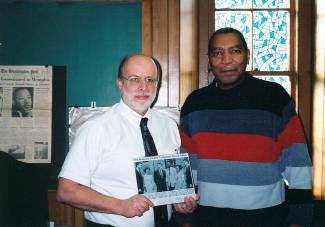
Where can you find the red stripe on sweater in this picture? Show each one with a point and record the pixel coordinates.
(292, 134)
(236, 147)
(187, 143)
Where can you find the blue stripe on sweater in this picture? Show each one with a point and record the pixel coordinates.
(233, 121)
(247, 121)
(251, 173)
(240, 197)
(238, 173)
(294, 156)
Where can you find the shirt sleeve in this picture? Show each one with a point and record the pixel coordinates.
(84, 154)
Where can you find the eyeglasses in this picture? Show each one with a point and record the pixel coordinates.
(135, 80)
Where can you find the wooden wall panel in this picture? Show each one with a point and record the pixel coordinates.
(161, 40)
(160, 45)
(188, 48)
(59, 213)
(304, 62)
(146, 27)
(173, 53)
(205, 30)
(63, 214)
(318, 127)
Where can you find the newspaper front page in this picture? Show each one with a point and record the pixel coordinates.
(26, 112)
(165, 179)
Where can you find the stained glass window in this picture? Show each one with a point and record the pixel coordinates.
(268, 4)
(266, 31)
(258, 4)
(271, 40)
(233, 4)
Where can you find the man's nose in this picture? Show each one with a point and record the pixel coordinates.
(226, 58)
(142, 85)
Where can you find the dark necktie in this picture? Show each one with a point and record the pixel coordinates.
(160, 212)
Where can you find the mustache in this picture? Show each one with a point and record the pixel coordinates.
(143, 94)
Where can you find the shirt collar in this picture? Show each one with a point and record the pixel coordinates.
(133, 116)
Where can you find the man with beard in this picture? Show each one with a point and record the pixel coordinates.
(245, 143)
(98, 174)
(22, 102)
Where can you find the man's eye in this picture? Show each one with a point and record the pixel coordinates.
(237, 51)
(150, 80)
(216, 53)
(134, 79)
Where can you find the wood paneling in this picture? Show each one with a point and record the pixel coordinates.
(173, 52)
(59, 213)
(318, 127)
(146, 27)
(63, 214)
(188, 48)
(160, 45)
(161, 40)
(304, 49)
(206, 28)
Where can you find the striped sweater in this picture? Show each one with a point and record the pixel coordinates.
(245, 143)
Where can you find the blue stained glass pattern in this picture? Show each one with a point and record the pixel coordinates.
(284, 81)
(242, 21)
(271, 4)
(233, 4)
(271, 40)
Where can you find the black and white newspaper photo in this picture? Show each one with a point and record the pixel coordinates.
(164, 179)
(26, 112)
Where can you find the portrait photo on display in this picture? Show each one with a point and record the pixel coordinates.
(22, 102)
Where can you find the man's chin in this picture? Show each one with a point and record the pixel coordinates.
(230, 81)
(140, 107)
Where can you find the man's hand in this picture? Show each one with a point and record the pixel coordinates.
(135, 206)
(188, 206)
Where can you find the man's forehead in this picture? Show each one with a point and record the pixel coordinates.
(140, 64)
(22, 91)
(227, 41)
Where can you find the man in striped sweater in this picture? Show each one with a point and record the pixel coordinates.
(247, 147)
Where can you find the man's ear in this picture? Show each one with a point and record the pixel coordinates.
(209, 67)
(248, 56)
(119, 84)
(209, 64)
